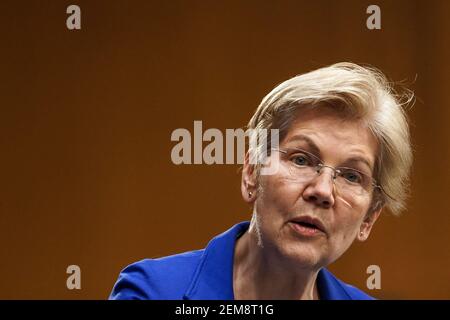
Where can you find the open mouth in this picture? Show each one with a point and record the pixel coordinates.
(307, 225)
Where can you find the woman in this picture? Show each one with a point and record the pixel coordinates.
(344, 154)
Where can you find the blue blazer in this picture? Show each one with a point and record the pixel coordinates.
(206, 274)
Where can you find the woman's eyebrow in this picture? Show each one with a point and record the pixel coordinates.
(355, 159)
(312, 146)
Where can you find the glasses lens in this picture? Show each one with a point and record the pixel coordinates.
(352, 181)
(301, 165)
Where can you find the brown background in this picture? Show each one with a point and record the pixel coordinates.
(86, 118)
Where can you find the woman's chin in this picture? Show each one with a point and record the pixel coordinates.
(305, 256)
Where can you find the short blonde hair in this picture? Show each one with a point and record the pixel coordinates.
(355, 91)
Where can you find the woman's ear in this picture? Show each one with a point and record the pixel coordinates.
(367, 224)
(248, 181)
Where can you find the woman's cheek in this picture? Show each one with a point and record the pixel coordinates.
(343, 236)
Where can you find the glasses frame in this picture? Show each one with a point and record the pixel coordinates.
(336, 170)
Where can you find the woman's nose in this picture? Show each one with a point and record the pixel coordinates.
(319, 190)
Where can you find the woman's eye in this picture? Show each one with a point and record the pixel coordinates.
(300, 160)
(352, 176)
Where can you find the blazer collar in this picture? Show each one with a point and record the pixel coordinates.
(213, 278)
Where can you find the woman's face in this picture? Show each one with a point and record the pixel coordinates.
(281, 199)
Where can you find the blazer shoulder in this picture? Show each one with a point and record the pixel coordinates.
(336, 289)
(159, 278)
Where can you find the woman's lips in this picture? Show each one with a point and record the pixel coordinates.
(305, 229)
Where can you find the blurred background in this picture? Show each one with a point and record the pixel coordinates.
(86, 118)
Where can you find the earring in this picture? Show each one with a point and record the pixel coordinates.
(250, 194)
(361, 233)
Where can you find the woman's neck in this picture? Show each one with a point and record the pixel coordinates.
(259, 275)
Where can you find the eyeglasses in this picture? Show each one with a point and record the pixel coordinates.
(303, 166)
